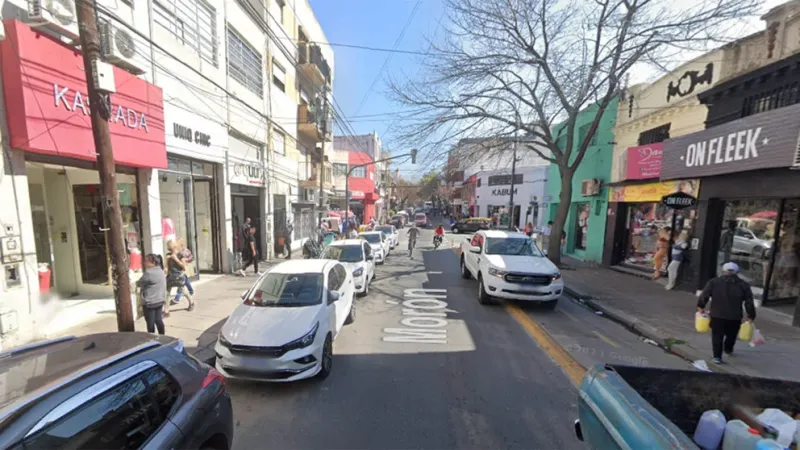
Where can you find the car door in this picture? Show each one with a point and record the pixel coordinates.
(369, 261)
(346, 291)
(334, 284)
(472, 260)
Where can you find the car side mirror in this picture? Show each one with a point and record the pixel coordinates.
(474, 249)
(333, 296)
(244, 295)
(370, 258)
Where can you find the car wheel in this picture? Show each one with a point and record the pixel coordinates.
(327, 358)
(366, 289)
(351, 316)
(483, 297)
(455, 230)
(464, 271)
(757, 251)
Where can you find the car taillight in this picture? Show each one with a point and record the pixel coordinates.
(211, 376)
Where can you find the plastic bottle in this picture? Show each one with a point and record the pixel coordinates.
(768, 444)
(710, 429)
(739, 436)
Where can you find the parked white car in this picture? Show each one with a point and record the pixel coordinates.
(379, 243)
(356, 256)
(284, 329)
(509, 265)
(391, 232)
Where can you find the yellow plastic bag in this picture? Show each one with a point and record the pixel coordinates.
(746, 331)
(702, 323)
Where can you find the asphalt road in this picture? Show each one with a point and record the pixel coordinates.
(425, 366)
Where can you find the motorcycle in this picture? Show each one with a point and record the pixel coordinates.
(437, 241)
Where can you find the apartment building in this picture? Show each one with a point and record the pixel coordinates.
(367, 195)
(220, 113)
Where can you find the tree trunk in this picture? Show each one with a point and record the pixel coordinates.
(564, 202)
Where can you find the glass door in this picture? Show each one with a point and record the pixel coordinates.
(203, 205)
(92, 249)
(785, 279)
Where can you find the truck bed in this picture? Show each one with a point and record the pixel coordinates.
(636, 407)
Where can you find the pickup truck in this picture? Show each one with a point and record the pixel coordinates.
(625, 407)
(509, 265)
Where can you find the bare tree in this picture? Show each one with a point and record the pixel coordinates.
(519, 67)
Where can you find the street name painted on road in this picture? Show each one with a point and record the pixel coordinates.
(426, 318)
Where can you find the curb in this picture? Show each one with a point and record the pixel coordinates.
(632, 323)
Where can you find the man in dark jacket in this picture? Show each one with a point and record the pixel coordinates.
(728, 293)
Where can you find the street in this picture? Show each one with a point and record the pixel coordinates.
(404, 377)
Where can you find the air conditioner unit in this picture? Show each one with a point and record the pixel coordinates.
(57, 15)
(119, 48)
(590, 187)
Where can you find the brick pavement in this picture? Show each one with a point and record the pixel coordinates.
(668, 316)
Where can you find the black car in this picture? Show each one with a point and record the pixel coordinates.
(470, 225)
(112, 391)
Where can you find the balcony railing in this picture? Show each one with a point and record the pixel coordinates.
(311, 124)
(313, 63)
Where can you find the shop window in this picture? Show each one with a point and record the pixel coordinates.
(747, 238)
(582, 211)
(647, 222)
(784, 281)
(245, 64)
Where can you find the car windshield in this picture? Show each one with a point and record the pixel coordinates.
(372, 238)
(511, 246)
(287, 290)
(419, 217)
(344, 253)
(385, 230)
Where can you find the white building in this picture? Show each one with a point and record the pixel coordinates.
(203, 137)
(493, 194)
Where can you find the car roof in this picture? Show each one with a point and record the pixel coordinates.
(301, 266)
(364, 233)
(346, 242)
(34, 370)
(503, 234)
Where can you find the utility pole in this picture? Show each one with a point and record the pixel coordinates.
(322, 122)
(513, 173)
(112, 218)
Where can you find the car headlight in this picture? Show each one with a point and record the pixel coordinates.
(557, 276)
(496, 273)
(222, 341)
(304, 341)
(358, 272)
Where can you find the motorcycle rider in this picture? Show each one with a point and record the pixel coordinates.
(438, 233)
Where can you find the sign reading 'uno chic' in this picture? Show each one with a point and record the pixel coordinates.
(186, 133)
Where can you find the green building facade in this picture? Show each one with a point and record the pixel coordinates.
(586, 223)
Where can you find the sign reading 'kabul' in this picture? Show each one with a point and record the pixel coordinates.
(678, 200)
(763, 141)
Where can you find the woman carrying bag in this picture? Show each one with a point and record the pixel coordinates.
(153, 286)
(176, 275)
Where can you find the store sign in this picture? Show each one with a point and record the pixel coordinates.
(188, 135)
(678, 200)
(503, 192)
(194, 136)
(763, 141)
(357, 195)
(44, 85)
(252, 174)
(644, 161)
(652, 192)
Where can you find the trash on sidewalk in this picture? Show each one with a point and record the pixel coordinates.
(701, 364)
(651, 342)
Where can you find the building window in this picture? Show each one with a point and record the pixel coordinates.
(359, 172)
(581, 225)
(582, 131)
(194, 25)
(278, 75)
(654, 135)
(766, 101)
(504, 180)
(479, 182)
(281, 10)
(245, 63)
(278, 142)
(339, 170)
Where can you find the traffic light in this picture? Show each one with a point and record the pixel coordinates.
(413, 156)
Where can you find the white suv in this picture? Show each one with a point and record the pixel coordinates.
(509, 265)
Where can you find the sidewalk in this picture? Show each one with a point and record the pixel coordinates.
(667, 317)
(216, 299)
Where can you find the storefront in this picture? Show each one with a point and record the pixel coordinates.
(750, 201)
(188, 187)
(48, 120)
(248, 180)
(493, 196)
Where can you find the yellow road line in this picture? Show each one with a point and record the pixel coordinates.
(574, 370)
(574, 319)
(607, 340)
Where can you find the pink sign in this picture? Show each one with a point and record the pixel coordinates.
(644, 161)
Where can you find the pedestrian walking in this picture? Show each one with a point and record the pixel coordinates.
(187, 258)
(176, 275)
(153, 286)
(728, 293)
(249, 253)
(678, 253)
(287, 239)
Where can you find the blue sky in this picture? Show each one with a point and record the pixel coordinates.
(375, 23)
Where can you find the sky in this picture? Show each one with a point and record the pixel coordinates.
(359, 86)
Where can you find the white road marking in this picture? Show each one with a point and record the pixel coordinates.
(434, 273)
(426, 318)
(392, 302)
